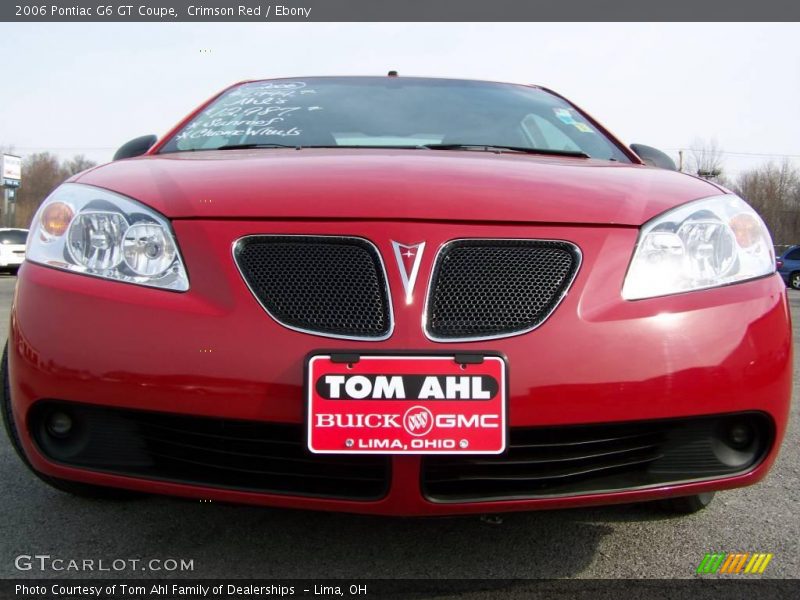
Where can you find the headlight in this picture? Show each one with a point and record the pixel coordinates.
(702, 244)
(96, 232)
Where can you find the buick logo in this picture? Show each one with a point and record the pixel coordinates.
(418, 421)
(409, 257)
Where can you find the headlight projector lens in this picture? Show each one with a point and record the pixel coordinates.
(94, 239)
(148, 249)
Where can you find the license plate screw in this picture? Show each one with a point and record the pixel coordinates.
(349, 443)
(463, 444)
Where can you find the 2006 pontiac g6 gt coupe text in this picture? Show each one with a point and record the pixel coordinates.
(400, 296)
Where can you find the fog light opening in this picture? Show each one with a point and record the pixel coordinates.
(737, 443)
(740, 435)
(59, 424)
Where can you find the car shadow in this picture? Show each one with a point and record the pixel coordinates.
(230, 541)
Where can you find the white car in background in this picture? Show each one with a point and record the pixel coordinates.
(12, 248)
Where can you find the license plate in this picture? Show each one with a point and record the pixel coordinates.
(406, 404)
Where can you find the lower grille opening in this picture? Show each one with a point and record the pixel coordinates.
(548, 461)
(244, 455)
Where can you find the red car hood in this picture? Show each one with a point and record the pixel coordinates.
(397, 184)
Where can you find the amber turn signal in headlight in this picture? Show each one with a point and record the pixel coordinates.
(56, 218)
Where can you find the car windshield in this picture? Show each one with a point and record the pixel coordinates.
(13, 236)
(393, 112)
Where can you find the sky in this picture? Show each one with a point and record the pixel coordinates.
(86, 88)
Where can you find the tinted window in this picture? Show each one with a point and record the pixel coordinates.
(392, 112)
(13, 237)
(793, 255)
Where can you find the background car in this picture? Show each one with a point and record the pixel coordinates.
(12, 248)
(789, 267)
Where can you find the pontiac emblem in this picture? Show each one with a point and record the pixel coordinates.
(408, 258)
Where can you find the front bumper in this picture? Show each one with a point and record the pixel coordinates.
(213, 352)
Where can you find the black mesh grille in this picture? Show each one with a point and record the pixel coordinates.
(486, 288)
(546, 461)
(328, 285)
(245, 455)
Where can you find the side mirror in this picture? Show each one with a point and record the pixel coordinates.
(136, 147)
(654, 157)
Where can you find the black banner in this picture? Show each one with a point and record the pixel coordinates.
(734, 588)
(397, 10)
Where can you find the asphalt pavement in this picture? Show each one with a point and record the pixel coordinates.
(225, 541)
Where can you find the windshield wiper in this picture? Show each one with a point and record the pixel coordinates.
(299, 147)
(367, 146)
(246, 146)
(501, 148)
(480, 147)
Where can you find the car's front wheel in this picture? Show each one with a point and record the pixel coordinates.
(794, 280)
(72, 487)
(686, 505)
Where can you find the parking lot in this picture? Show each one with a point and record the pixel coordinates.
(239, 541)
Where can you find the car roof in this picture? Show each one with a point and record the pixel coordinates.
(384, 77)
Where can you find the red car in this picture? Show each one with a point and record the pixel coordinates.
(399, 296)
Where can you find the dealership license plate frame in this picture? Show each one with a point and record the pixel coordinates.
(472, 363)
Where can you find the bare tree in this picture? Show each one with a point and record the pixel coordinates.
(774, 191)
(42, 173)
(76, 164)
(706, 159)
